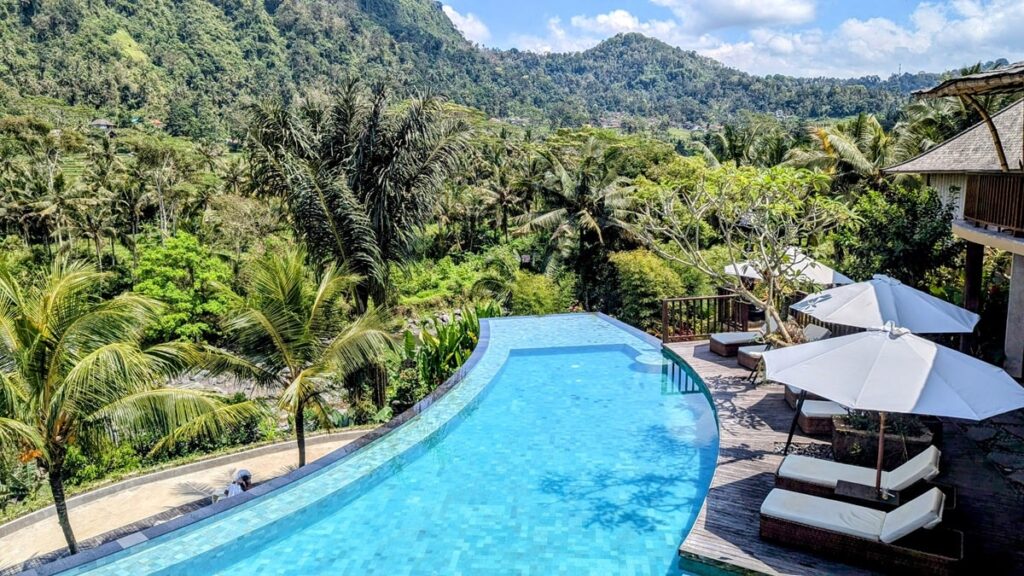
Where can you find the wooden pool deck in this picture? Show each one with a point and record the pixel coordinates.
(754, 422)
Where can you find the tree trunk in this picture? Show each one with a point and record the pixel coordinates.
(60, 502)
(99, 253)
(300, 433)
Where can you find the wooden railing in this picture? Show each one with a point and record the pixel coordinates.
(697, 317)
(834, 329)
(995, 200)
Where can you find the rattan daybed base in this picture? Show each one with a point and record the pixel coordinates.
(936, 552)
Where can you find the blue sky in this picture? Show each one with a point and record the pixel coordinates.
(798, 37)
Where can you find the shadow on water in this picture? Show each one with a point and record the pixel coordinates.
(639, 500)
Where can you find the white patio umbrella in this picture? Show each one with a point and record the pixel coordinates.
(801, 267)
(883, 299)
(892, 370)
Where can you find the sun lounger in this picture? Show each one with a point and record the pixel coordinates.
(728, 343)
(750, 356)
(819, 477)
(792, 395)
(816, 416)
(901, 541)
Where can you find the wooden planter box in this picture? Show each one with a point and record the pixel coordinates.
(860, 447)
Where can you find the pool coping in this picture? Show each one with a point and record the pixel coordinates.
(146, 534)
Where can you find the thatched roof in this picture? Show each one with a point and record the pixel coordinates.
(1007, 79)
(972, 150)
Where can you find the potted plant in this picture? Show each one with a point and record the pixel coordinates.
(855, 438)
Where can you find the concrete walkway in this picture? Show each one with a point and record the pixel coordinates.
(138, 501)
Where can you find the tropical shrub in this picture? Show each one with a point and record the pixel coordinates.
(533, 294)
(445, 346)
(905, 233)
(644, 280)
(184, 275)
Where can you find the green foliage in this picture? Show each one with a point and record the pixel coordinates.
(445, 346)
(83, 356)
(18, 480)
(433, 285)
(85, 468)
(184, 274)
(358, 174)
(192, 62)
(644, 280)
(905, 233)
(534, 294)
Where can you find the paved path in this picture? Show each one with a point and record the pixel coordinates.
(137, 503)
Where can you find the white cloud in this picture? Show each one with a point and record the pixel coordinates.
(556, 40)
(471, 27)
(621, 21)
(703, 15)
(938, 35)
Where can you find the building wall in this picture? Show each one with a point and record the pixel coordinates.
(952, 187)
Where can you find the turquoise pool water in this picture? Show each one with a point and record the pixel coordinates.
(571, 447)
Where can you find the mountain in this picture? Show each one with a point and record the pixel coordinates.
(195, 63)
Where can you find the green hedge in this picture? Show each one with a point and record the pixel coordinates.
(644, 280)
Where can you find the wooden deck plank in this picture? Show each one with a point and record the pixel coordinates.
(754, 420)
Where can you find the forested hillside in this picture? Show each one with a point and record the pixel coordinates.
(193, 63)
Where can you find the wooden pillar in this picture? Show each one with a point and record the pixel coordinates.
(972, 285)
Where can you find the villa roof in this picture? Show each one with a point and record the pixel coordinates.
(101, 122)
(1006, 79)
(973, 150)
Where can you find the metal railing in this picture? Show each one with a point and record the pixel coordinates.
(995, 200)
(697, 317)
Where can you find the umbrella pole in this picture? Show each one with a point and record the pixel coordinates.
(796, 417)
(881, 451)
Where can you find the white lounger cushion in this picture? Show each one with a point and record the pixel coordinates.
(925, 511)
(825, 472)
(924, 466)
(729, 338)
(813, 333)
(823, 513)
(821, 409)
(754, 351)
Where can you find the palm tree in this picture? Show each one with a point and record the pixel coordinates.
(852, 151)
(74, 369)
(585, 212)
(502, 189)
(93, 218)
(291, 335)
(359, 176)
(131, 199)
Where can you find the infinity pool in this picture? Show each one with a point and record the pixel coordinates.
(572, 446)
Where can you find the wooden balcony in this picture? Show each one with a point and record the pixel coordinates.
(996, 201)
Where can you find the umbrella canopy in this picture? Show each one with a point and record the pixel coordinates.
(883, 299)
(892, 370)
(801, 267)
